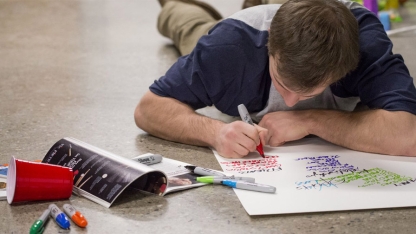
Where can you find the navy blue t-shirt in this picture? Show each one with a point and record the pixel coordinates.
(230, 66)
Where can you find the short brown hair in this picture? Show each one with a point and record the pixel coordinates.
(315, 42)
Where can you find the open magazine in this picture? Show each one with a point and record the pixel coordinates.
(179, 178)
(102, 176)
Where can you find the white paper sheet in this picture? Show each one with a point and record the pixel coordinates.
(312, 175)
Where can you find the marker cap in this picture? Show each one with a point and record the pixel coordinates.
(62, 221)
(75, 215)
(148, 159)
(79, 219)
(59, 217)
(37, 227)
(207, 180)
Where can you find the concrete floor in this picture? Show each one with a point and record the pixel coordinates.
(78, 68)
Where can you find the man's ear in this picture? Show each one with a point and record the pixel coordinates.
(268, 30)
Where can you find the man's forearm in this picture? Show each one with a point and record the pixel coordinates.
(376, 131)
(172, 120)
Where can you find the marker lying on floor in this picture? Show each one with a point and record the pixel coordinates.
(148, 159)
(59, 217)
(204, 171)
(218, 179)
(75, 215)
(39, 225)
(249, 186)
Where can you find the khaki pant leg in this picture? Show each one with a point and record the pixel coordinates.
(184, 24)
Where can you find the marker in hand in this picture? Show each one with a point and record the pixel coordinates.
(242, 110)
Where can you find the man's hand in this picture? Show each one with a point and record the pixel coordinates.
(284, 126)
(173, 120)
(237, 139)
(373, 131)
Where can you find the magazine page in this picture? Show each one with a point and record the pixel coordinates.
(100, 175)
(3, 171)
(3, 192)
(179, 178)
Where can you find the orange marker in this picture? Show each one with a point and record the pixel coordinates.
(75, 215)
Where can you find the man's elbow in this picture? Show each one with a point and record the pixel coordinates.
(403, 141)
(138, 115)
(141, 113)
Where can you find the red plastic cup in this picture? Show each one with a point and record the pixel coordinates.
(32, 181)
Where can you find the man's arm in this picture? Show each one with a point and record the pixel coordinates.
(375, 131)
(173, 120)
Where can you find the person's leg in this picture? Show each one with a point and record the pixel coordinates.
(276, 1)
(251, 3)
(184, 24)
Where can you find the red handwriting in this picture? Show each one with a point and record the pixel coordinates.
(267, 164)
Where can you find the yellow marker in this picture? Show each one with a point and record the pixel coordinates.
(75, 216)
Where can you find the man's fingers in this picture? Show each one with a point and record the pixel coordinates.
(274, 141)
(239, 139)
(263, 134)
(257, 135)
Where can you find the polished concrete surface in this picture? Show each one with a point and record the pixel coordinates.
(78, 68)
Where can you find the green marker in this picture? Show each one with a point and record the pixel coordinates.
(39, 225)
(218, 179)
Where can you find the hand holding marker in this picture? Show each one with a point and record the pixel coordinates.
(245, 116)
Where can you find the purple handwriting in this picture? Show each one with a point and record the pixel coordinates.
(340, 171)
(332, 172)
(316, 184)
(326, 165)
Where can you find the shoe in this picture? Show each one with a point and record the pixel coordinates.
(214, 13)
(251, 3)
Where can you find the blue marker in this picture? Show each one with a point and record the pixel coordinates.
(249, 186)
(59, 216)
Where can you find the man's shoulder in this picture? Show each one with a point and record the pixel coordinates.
(352, 4)
(258, 17)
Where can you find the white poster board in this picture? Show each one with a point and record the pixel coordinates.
(312, 175)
